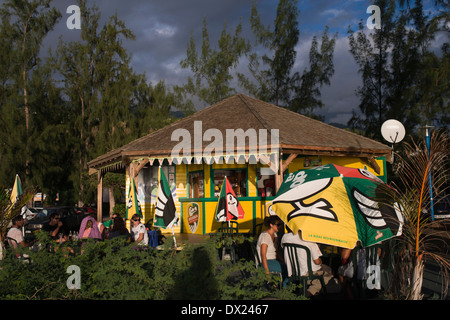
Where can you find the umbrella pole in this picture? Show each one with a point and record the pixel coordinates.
(174, 239)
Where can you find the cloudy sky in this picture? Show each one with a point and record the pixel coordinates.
(163, 29)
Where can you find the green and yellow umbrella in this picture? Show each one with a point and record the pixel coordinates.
(337, 206)
(16, 190)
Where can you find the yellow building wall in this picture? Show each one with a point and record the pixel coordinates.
(148, 208)
(252, 188)
(255, 207)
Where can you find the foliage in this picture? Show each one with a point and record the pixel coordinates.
(24, 26)
(422, 239)
(10, 210)
(403, 76)
(279, 83)
(120, 209)
(114, 269)
(212, 67)
(321, 68)
(273, 84)
(82, 100)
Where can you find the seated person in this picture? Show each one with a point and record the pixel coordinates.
(118, 229)
(109, 223)
(89, 229)
(16, 234)
(316, 262)
(54, 227)
(138, 231)
(267, 246)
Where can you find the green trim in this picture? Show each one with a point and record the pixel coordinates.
(181, 218)
(246, 178)
(184, 199)
(187, 180)
(256, 178)
(383, 177)
(203, 214)
(254, 215)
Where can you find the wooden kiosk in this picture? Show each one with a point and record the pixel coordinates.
(252, 142)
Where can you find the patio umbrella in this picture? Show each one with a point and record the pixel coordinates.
(228, 206)
(336, 205)
(16, 190)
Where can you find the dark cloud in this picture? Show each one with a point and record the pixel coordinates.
(163, 29)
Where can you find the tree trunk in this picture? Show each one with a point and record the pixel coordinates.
(80, 173)
(417, 279)
(112, 201)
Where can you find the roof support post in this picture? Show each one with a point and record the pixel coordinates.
(140, 166)
(279, 174)
(374, 164)
(99, 196)
(282, 168)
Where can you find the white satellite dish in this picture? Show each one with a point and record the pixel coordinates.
(393, 131)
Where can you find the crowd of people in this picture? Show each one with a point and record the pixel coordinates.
(90, 228)
(270, 250)
(269, 245)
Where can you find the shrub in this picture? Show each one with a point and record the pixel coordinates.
(114, 269)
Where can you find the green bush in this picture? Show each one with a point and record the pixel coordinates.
(120, 209)
(116, 270)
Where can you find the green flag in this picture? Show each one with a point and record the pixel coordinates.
(133, 206)
(165, 212)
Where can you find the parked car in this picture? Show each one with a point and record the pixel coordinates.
(88, 210)
(441, 208)
(29, 213)
(71, 218)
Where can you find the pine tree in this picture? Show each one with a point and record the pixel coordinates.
(402, 77)
(306, 97)
(98, 82)
(372, 56)
(24, 26)
(274, 83)
(115, 88)
(52, 149)
(152, 106)
(212, 67)
(273, 78)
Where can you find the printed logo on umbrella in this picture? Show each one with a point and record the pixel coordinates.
(321, 208)
(336, 205)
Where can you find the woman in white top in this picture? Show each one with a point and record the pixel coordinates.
(138, 231)
(266, 246)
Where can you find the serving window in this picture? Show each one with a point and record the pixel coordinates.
(148, 182)
(266, 182)
(237, 179)
(196, 185)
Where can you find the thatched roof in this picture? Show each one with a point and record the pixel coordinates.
(297, 133)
